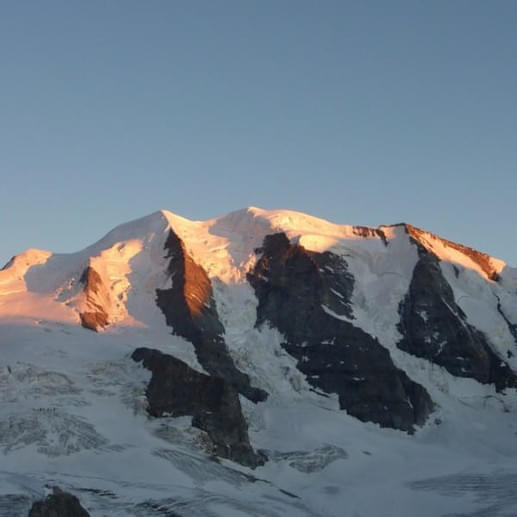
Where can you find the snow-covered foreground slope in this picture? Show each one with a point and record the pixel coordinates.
(72, 415)
(73, 409)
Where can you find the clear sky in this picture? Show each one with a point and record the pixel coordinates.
(361, 112)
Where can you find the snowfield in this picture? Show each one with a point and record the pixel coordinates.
(73, 405)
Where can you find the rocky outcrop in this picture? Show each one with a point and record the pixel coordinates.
(369, 232)
(484, 261)
(176, 389)
(434, 327)
(93, 314)
(511, 326)
(306, 296)
(189, 308)
(58, 504)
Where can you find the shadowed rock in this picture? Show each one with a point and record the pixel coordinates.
(58, 504)
(434, 327)
(189, 308)
(511, 326)
(306, 296)
(176, 389)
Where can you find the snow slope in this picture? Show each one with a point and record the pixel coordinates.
(72, 409)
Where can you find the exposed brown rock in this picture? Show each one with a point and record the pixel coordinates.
(94, 315)
(483, 260)
(94, 320)
(367, 231)
(189, 308)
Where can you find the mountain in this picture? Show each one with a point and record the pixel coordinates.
(260, 363)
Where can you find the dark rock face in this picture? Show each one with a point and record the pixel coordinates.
(178, 390)
(8, 264)
(58, 504)
(190, 309)
(96, 316)
(511, 326)
(292, 286)
(435, 328)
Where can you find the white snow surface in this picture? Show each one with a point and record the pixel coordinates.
(72, 404)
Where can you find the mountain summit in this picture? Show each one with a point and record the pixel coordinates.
(268, 340)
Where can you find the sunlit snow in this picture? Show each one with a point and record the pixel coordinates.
(72, 404)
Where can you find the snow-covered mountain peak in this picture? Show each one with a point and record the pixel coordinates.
(225, 247)
(38, 284)
(19, 264)
(144, 229)
(306, 349)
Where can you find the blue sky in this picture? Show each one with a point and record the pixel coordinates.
(359, 112)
